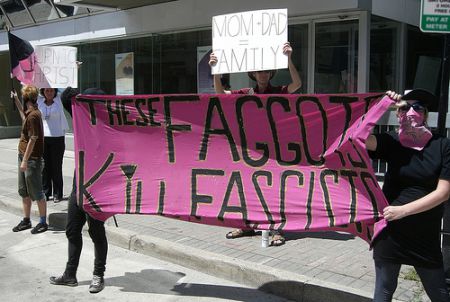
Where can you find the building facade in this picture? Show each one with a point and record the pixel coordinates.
(338, 46)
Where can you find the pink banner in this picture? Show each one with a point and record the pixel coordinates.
(288, 162)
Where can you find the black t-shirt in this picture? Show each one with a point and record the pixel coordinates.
(412, 174)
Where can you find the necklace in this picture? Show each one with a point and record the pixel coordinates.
(48, 110)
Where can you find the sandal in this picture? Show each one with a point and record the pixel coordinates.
(237, 233)
(277, 240)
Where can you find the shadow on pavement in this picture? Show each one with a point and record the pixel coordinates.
(320, 235)
(164, 282)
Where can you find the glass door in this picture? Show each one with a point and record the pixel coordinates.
(336, 57)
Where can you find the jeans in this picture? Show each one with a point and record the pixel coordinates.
(30, 181)
(76, 218)
(433, 281)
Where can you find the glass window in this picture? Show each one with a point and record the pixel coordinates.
(336, 61)
(423, 61)
(16, 12)
(175, 65)
(3, 20)
(383, 55)
(68, 10)
(41, 10)
(298, 37)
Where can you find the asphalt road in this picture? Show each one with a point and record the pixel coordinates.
(27, 261)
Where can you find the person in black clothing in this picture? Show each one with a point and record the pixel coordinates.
(416, 184)
(76, 218)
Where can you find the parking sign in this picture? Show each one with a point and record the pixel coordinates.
(435, 16)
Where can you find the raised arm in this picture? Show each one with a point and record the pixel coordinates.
(18, 104)
(218, 87)
(295, 77)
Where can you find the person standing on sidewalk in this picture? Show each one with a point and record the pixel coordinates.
(55, 127)
(76, 219)
(31, 148)
(416, 185)
(263, 86)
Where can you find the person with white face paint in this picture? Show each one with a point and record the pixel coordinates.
(416, 184)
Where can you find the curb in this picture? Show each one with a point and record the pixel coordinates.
(284, 284)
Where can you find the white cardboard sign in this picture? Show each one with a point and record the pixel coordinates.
(56, 67)
(250, 41)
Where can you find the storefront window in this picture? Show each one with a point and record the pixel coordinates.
(383, 55)
(336, 63)
(298, 37)
(175, 55)
(423, 61)
(16, 13)
(41, 10)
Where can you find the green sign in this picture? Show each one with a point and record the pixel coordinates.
(435, 16)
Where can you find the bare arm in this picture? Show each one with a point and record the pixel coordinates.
(371, 141)
(218, 87)
(429, 201)
(18, 105)
(295, 77)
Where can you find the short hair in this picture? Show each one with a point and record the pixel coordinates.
(54, 90)
(29, 93)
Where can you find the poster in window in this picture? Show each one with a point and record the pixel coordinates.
(125, 73)
(205, 83)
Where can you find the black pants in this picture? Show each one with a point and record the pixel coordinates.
(52, 178)
(76, 218)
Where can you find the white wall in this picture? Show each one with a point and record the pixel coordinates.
(191, 14)
(407, 11)
(172, 16)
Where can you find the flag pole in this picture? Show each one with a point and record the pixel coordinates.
(11, 79)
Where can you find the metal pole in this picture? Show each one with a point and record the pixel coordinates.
(443, 99)
(443, 107)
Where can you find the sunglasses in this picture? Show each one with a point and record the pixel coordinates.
(416, 106)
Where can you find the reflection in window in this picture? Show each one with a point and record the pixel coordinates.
(69, 10)
(175, 69)
(41, 10)
(423, 61)
(336, 62)
(3, 20)
(298, 37)
(16, 12)
(383, 55)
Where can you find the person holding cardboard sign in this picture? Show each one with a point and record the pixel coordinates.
(55, 127)
(263, 86)
(262, 78)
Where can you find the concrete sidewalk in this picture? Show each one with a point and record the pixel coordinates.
(319, 267)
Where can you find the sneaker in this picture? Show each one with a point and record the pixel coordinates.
(39, 228)
(97, 284)
(64, 280)
(22, 226)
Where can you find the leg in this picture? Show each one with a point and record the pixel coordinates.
(386, 278)
(433, 281)
(26, 205)
(98, 236)
(23, 192)
(25, 223)
(46, 173)
(76, 219)
(57, 162)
